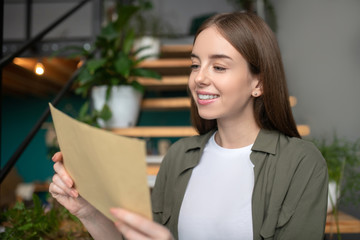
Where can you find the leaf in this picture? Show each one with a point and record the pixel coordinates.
(114, 81)
(138, 86)
(105, 113)
(93, 64)
(84, 110)
(108, 93)
(123, 65)
(25, 227)
(142, 72)
(141, 49)
(139, 60)
(19, 206)
(108, 33)
(37, 203)
(84, 76)
(125, 13)
(128, 41)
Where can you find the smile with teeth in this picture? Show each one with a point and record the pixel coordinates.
(207, 96)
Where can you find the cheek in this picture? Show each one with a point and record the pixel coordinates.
(191, 83)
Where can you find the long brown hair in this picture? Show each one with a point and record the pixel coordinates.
(255, 41)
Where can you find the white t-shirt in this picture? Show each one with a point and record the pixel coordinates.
(217, 201)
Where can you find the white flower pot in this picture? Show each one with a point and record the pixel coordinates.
(147, 41)
(124, 103)
(333, 194)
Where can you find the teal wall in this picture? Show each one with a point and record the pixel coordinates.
(19, 115)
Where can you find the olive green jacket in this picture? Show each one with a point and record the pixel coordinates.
(289, 198)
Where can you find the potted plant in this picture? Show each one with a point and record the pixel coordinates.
(343, 161)
(109, 74)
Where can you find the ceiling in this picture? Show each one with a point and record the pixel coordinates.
(19, 77)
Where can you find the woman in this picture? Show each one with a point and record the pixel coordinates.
(248, 175)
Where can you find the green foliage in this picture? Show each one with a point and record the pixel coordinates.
(30, 223)
(111, 61)
(343, 161)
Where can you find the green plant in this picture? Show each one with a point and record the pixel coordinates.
(111, 61)
(250, 6)
(343, 161)
(35, 222)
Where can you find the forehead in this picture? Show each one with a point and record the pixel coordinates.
(210, 41)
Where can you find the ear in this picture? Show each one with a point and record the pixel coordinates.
(257, 89)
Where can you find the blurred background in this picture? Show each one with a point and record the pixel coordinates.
(319, 42)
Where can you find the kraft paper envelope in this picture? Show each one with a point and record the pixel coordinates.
(108, 170)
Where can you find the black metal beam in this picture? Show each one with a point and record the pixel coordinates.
(1, 54)
(39, 36)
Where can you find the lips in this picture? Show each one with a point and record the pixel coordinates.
(204, 98)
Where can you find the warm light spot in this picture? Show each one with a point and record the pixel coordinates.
(304, 130)
(39, 68)
(80, 63)
(293, 101)
(18, 61)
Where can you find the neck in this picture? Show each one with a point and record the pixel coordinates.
(235, 133)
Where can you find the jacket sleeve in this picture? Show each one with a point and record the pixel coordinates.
(158, 193)
(304, 210)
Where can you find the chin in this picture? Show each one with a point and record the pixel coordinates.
(207, 116)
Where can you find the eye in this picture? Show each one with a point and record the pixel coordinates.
(219, 69)
(194, 66)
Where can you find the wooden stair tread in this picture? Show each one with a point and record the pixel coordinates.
(181, 48)
(347, 223)
(166, 103)
(165, 82)
(166, 63)
(183, 131)
(178, 131)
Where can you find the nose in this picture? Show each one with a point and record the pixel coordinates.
(201, 78)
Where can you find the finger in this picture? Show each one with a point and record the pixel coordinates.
(65, 177)
(55, 190)
(141, 224)
(60, 184)
(57, 157)
(129, 233)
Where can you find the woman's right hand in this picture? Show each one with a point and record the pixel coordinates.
(62, 189)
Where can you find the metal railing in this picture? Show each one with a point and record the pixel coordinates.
(4, 61)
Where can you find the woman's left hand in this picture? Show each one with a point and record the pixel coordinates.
(134, 226)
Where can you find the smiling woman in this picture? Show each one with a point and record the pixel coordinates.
(248, 175)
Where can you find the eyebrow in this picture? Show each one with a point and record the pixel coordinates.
(213, 56)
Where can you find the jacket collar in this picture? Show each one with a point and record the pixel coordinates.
(194, 148)
(266, 141)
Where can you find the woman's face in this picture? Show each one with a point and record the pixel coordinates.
(220, 81)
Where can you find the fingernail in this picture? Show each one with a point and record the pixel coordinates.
(113, 211)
